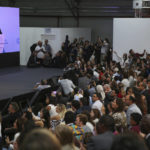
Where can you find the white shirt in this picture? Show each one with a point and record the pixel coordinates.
(90, 125)
(52, 111)
(67, 86)
(96, 74)
(98, 105)
(125, 83)
(132, 109)
(78, 96)
(40, 54)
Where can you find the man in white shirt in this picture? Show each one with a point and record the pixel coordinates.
(40, 51)
(97, 104)
(133, 108)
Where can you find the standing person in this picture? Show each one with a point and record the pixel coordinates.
(97, 104)
(66, 137)
(48, 48)
(104, 50)
(9, 119)
(135, 120)
(81, 120)
(145, 128)
(66, 84)
(40, 52)
(119, 115)
(132, 107)
(104, 139)
(98, 47)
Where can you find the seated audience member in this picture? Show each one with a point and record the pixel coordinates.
(45, 117)
(140, 101)
(61, 110)
(89, 122)
(66, 137)
(84, 105)
(97, 104)
(145, 128)
(40, 139)
(15, 132)
(132, 107)
(27, 116)
(128, 141)
(81, 120)
(75, 105)
(28, 126)
(56, 61)
(135, 122)
(51, 107)
(119, 115)
(104, 139)
(77, 131)
(95, 115)
(10, 118)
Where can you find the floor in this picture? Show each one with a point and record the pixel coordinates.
(18, 80)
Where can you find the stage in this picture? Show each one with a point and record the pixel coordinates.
(19, 80)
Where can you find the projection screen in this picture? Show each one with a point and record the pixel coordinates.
(9, 30)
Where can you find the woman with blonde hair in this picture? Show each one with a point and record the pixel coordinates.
(66, 137)
(61, 110)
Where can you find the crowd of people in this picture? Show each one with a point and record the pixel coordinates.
(41, 54)
(100, 104)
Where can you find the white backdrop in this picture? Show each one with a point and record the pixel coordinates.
(56, 37)
(131, 33)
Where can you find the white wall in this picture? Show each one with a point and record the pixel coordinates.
(30, 35)
(131, 33)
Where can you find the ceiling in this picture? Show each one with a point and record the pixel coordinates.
(106, 8)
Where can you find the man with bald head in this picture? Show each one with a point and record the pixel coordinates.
(145, 128)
